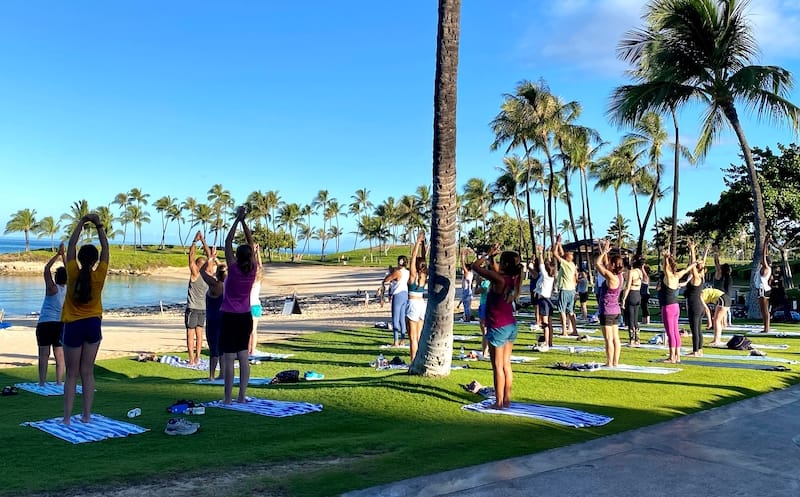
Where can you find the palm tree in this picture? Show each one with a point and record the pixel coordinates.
(435, 353)
(476, 191)
(506, 190)
(221, 201)
(360, 205)
(389, 212)
(618, 230)
(78, 209)
(175, 214)
(703, 50)
(202, 215)
(410, 214)
(163, 206)
(122, 202)
(273, 201)
(138, 217)
(48, 226)
(321, 203)
(107, 220)
(24, 220)
(423, 194)
(136, 195)
(289, 216)
(333, 212)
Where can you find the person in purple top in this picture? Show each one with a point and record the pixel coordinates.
(611, 268)
(500, 321)
(237, 320)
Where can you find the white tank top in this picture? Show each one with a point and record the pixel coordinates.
(52, 305)
(402, 282)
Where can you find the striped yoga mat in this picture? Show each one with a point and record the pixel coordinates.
(559, 415)
(49, 389)
(221, 382)
(178, 362)
(266, 407)
(79, 432)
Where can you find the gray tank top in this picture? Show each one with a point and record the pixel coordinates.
(196, 296)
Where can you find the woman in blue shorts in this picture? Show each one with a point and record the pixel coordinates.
(500, 321)
(82, 314)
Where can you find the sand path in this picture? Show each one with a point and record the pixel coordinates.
(130, 333)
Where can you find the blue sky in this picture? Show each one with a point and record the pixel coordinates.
(173, 97)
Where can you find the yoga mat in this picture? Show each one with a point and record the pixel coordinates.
(576, 349)
(754, 358)
(268, 356)
(221, 382)
(49, 389)
(738, 365)
(628, 368)
(176, 361)
(78, 432)
(515, 359)
(466, 338)
(271, 408)
(559, 415)
(765, 346)
(390, 346)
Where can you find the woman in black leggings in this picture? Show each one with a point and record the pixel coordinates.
(694, 300)
(631, 299)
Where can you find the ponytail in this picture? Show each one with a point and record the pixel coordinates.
(83, 286)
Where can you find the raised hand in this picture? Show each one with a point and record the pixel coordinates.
(240, 212)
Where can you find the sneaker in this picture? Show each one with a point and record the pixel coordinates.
(181, 426)
(756, 352)
(313, 375)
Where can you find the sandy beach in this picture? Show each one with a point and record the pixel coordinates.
(326, 296)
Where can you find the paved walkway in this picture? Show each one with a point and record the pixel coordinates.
(751, 447)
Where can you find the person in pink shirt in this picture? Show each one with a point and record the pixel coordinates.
(237, 319)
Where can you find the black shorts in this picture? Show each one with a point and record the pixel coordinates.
(609, 319)
(236, 330)
(724, 300)
(49, 333)
(583, 297)
(762, 294)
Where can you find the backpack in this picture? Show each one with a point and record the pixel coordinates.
(289, 376)
(739, 342)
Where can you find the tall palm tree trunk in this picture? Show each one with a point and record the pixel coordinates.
(675, 183)
(550, 182)
(435, 353)
(591, 229)
(759, 215)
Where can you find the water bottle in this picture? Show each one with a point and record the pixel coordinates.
(134, 412)
(196, 410)
(381, 360)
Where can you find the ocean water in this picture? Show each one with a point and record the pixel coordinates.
(15, 245)
(23, 295)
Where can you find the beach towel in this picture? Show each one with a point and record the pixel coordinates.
(700, 361)
(173, 360)
(268, 356)
(49, 389)
(515, 359)
(221, 382)
(267, 407)
(576, 349)
(4, 325)
(559, 415)
(754, 358)
(623, 368)
(78, 432)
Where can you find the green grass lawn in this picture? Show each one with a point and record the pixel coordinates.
(376, 427)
